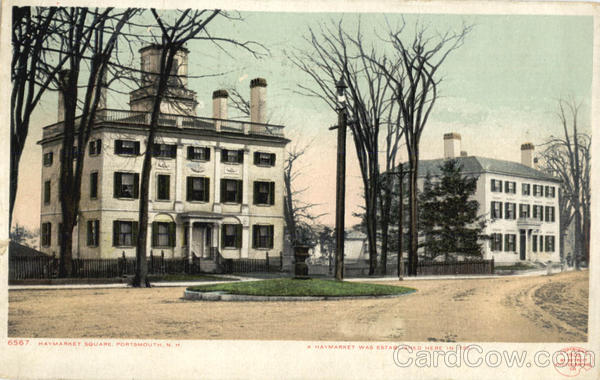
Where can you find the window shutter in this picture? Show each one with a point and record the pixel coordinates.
(50, 233)
(154, 234)
(207, 153)
(271, 193)
(206, 190)
(500, 210)
(190, 152)
(92, 148)
(136, 186)
(239, 192)
(189, 189)
(116, 232)
(117, 185)
(222, 236)
(90, 227)
(270, 236)
(118, 146)
(98, 146)
(134, 232)
(223, 155)
(172, 234)
(238, 235)
(223, 183)
(273, 159)
(254, 236)
(256, 158)
(255, 187)
(173, 151)
(137, 148)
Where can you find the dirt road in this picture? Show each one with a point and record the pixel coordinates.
(513, 309)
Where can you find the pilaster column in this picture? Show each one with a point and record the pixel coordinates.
(179, 179)
(190, 239)
(245, 181)
(245, 241)
(217, 181)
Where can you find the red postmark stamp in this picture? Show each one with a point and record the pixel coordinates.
(571, 361)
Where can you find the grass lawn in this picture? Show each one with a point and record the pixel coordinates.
(310, 287)
(186, 277)
(518, 266)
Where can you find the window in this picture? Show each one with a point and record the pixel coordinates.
(231, 236)
(163, 234)
(538, 212)
(198, 153)
(538, 190)
(126, 185)
(94, 185)
(550, 191)
(549, 243)
(510, 210)
(127, 147)
(48, 158)
(510, 187)
(496, 186)
(46, 234)
(524, 211)
(541, 244)
(549, 214)
(496, 242)
(124, 233)
(162, 187)
(496, 210)
(510, 243)
(95, 147)
(264, 159)
(93, 233)
(534, 243)
(231, 191)
(264, 193)
(47, 189)
(165, 151)
(198, 189)
(526, 189)
(262, 236)
(232, 156)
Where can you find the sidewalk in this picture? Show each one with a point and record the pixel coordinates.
(163, 284)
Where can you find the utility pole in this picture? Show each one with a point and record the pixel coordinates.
(340, 198)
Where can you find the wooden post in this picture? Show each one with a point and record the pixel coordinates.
(267, 260)
(280, 261)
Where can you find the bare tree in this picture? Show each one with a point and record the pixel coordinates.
(89, 37)
(298, 216)
(33, 71)
(335, 54)
(569, 158)
(412, 71)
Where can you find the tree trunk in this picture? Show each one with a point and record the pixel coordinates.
(372, 230)
(413, 238)
(140, 279)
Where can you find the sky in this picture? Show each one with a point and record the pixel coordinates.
(500, 89)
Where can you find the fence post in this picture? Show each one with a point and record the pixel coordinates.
(267, 260)
(151, 262)
(492, 265)
(162, 262)
(280, 261)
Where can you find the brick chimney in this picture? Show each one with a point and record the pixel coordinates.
(258, 100)
(451, 145)
(527, 154)
(220, 104)
(63, 79)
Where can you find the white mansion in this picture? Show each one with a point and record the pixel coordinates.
(519, 203)
(216, 185)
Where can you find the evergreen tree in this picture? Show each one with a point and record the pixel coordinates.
(448, 214)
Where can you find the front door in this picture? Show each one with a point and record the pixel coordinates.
(522, 244)
(198, 235)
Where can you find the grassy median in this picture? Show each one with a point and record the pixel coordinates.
(310, 287)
